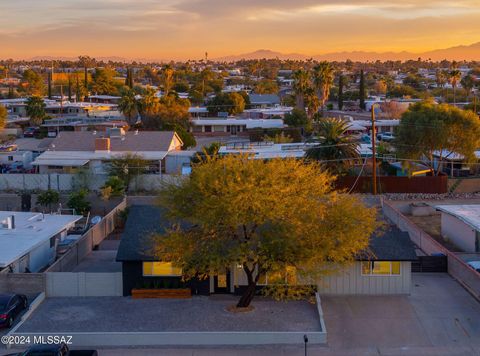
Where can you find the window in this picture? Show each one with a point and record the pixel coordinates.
(10, 158)
(159, 269)
(380, 268)
(289, 276)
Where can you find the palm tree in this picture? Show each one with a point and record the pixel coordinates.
(301, 83)
(149, 103)
(454, 78)
(323, 77)
(167, 77)
(86, 62)
(35, 110)
(128, 105)
(441, 78)
(335, 146)
(468, 82)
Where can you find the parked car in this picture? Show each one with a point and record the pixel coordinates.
(11, 305)
(386, 136)
(54, 350)
(475, 265)
(31, 131)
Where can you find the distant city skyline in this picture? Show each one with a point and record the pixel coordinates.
(186, 29)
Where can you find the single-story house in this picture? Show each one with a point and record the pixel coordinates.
(93, 150)
(270, 150)
(28, 240)
(231, 126)
(461, 225)
(263, 100)
(384, 269)
(268, 113)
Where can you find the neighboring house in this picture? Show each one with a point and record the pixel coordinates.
(384, 269)
(454, 164)
(93, 150)
(54, 126)
(263, 101)
(104, 99)
(198, 111)
(269, 150)
(231, 126)
(461, 225)
(13, 159)
(277, 112)
(28, 241)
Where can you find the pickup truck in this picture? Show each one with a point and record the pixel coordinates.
(54, 350)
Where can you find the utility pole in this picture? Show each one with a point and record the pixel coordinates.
(374, 160)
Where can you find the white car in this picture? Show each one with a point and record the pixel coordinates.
(475, 265)
(386, 136)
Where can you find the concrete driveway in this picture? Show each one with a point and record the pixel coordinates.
(439, 313)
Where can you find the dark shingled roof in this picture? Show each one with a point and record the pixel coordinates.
(142, 222)
(388, 244)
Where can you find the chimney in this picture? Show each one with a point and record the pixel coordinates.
(102, 144)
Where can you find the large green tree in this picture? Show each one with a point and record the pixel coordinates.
(103, 81)
(233, 103)
(267, 217)
(427, 129)
(35, 110)
(33, 83)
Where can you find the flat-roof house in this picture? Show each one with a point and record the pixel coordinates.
(28, 240)
(385, 268)
(93, 150)
(231, 126)
(461, 225)
(270, 150)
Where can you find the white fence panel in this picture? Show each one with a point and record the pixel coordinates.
(81, 284)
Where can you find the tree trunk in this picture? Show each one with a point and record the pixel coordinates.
(247, 296)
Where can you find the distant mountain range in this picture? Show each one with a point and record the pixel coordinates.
(459, 53)
(471, 52)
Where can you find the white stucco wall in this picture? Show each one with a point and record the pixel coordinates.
(460, 233)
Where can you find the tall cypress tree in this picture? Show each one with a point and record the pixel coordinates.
(85, 78)
(69, 88)
(77, 90)
(340, 92)
(127, 81)
(362, 90)
(49, 78)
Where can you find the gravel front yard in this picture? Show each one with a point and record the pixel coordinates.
(108, 314)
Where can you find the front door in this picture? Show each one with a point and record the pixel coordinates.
(221, 282)
(233, 130)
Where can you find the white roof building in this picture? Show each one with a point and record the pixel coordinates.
(25, 238)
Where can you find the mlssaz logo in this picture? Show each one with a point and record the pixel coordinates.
(52, 339)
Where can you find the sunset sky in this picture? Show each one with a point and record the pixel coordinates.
(180, 29)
